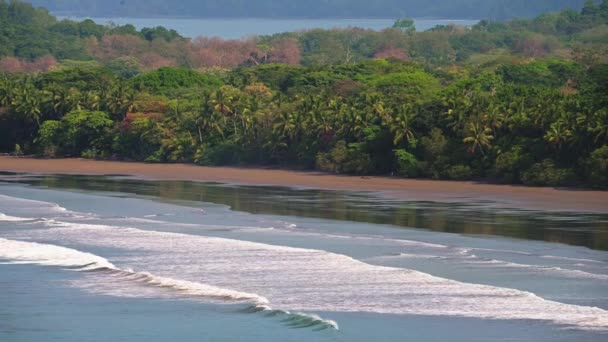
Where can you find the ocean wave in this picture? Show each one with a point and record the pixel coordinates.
(22, 203)
(305, 280)
(21, 252)
(408, 256)
(293, 279)
(572, 259)
(8, 218)
(48, 255)
(552, 269)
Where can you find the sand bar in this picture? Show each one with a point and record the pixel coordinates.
(408, 189)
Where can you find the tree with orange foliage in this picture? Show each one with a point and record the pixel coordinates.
(391, 52)
(286, 51)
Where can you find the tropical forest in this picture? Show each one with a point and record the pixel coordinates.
(523, 101)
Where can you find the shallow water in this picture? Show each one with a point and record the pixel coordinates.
(111, 258)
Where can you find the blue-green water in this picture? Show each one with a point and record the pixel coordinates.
(114, 259)
(241, 28)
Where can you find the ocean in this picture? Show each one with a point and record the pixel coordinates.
(114, 258)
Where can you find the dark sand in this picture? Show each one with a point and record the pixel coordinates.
(419, 190)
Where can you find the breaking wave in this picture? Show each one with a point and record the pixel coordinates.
(21, 252)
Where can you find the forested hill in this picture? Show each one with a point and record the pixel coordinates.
(488, 9)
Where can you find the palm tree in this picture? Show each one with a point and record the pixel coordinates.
(558, 134)
(599, 126)
(26, 103)
(222, 102)
(458, 107)
(478, 137)
(401, 127)
(6, 92)
(119, 100)
(207, 119)
(287, 125)
(494, 117)
(92, 100)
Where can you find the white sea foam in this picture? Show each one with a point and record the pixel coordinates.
(297, 279)
(572, 259)
(407, 256)
(23, 252)
(541, 268)
(49, 255)
(22, 203)
(8, 218)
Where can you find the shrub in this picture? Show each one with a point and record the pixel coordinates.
(49, 137)
(18, 151)
(323, 162)
(459, 172)
(597, 168)
(91, 153)
(357, 160)
(226, 153)
(434, 146)
(407, 164)
(508, 165)
(546, 173)
(344, 158)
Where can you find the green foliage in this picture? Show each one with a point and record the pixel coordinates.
(49, 137)
(434, 146)
(159, 32)
(138, 138)
(509, 165)
(459, 172)
(406, 25)
(547, 174)
(168, 79)
(415, 84)
(343, 158)
(18, 151)
(597, 168)
(519, 102)
(548, 72)
(407, 164)
(82, 78)
(77, 132)
(226, 153)
(29, 32)
(125, 67)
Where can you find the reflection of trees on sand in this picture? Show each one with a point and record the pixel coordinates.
(467, 217)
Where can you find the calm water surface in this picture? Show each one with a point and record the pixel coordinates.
(240, 28)
(113, 258)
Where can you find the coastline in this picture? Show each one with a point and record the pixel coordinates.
(504, 196)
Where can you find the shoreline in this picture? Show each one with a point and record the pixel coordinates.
(504, 196)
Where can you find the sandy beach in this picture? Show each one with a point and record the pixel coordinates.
(507, 196)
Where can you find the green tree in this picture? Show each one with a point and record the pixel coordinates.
(406, 25)
(478, 137)
(84, 130)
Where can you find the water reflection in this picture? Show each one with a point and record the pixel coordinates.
(468, 217)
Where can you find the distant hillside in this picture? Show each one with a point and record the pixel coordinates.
(488, 9)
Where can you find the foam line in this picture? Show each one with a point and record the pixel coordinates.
(21, 252)
(8, 218)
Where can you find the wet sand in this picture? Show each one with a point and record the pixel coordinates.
(506, 196)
